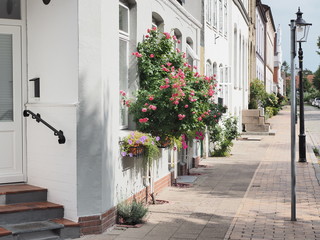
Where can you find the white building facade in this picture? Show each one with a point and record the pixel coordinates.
(226, 29)
(81, 53)
(238, 56)
(260, 42)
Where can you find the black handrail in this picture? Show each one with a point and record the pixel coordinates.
(37, 117)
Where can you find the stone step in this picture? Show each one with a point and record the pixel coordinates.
(43, 235)
(29, 212)
(253, 120)
(257, 127)
(21, 193)
(41, 230)
(70, 230)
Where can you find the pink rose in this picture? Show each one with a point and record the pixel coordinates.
(143, 120)
(186, 106)
(167, 35)
(144, 109)
(151, 55)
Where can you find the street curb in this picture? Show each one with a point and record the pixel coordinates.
(314, 160)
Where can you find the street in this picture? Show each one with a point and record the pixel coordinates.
(244, 196)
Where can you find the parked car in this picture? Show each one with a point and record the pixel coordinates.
(316, 102)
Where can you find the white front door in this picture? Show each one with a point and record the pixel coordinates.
(11, 164)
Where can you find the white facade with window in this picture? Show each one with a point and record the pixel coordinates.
(81, 52)
(270, 36)
(216, 45)
(239, 28)
(260, 43)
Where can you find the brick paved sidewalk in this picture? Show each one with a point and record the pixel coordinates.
(245, 196)
(266, 209)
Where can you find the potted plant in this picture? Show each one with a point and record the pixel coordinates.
(138, 143)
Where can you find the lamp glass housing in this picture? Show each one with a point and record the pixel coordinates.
(302, 31)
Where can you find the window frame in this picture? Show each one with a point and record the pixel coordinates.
(124, 36)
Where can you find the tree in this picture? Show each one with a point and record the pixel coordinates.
(307, 72)
(306, 85)
(316, 79)
(318, 44)
(285, 68)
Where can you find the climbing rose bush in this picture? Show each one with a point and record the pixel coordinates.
(174, 100)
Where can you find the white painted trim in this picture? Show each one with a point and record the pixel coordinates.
(76, 104)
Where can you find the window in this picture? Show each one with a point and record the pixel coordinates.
(225, 18)
(124, 38)
(178, 35)
(10, 9)
(157, 21)
(215, 69)
(209, 12)
(215, 13)
(220, 16)
(6, 80)
(224, 85)
(243, 64)
(240, 62)
(209, 70)
(191, 54)
(235, 49)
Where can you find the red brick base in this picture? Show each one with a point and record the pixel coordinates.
(99, 223)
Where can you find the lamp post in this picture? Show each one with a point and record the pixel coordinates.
(299, 33)
(302, 34)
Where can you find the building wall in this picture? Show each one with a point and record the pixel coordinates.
(239, 60)
(260, 44)
(252, 40)
(99, 163)
(270, 34)
(52, 31)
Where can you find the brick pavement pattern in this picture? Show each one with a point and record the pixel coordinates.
(265, 212)
(244, 196)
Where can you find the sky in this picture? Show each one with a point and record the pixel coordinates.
(285, 10)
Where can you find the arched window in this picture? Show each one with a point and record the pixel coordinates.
(157, 21)
(209, 70)
(178, 35)
(215, 69)
(191, 54)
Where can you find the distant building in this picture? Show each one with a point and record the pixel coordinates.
(278, 81)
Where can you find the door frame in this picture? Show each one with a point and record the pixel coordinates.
(22, 23)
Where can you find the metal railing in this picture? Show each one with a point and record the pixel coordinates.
(37, 117)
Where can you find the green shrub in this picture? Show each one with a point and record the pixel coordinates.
(222, 136)
(131, 213)
(257, 94)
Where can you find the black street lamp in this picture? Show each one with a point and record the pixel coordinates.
(302, 30)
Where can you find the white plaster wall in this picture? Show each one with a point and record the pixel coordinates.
(239, 99)
(52, 46)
